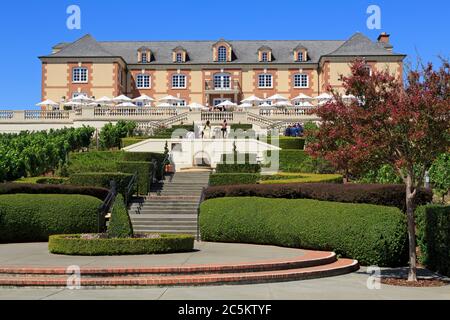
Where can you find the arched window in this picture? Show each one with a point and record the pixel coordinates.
(179, 81)
(265, 80)
(301, 80)
(222, 81)
(143, 81)
(222, 54)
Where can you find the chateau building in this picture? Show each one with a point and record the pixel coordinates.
(208, 72)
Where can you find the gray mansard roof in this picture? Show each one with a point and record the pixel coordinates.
(244, 51)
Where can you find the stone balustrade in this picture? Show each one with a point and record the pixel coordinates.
(16, 120)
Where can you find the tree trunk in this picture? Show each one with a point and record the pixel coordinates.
(410, 195)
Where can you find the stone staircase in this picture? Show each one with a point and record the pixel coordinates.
(171, 206)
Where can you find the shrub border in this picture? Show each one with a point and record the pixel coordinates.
(72, 244)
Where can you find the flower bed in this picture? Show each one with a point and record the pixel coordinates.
(100, 244)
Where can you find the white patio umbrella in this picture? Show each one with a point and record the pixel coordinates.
(324, 96)
(170, 99)
(93, 104)
(305, 104)
(283, 104)
(226, 103)
(72, 104)
(265, 105)
(301, 97)
(122, 98)
(197, 106)
(277, 97)
(82, 99)
(47, 102)
(348, 97)
(104, 101)
(252, 100)
(126, 104)
(165, 105)
(144, 99)
(245, 105)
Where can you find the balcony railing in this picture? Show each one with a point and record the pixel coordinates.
(134, 112)
(46, 114)
(231, 86)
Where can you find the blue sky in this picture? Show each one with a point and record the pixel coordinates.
(30, 28)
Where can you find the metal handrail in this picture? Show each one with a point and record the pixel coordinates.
(106, 205)
(202, 198)
(130, 188)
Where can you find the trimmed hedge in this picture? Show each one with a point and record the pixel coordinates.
(143, 170)
(301, 178)
(94, 161)
(73, 244)
(13, 188)
(33, 217)
(102, 179)
(300, 161)
(433, 237)
(219, 179)
(231, 163)
(52, 180)
(120, 224)
(125, 142)
(371, 234)
(143, 156)
(379, 194)
(294, 143)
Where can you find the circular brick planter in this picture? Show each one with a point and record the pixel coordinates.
(75, 244)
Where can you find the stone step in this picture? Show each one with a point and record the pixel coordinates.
(172, 229)
(168, 211)
(166, 224)
(209, 276)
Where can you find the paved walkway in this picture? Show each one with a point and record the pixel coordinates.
(350, 286)
(36, 254)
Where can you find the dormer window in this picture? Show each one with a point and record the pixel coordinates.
(300, 54)
(144, 55)
(264, 54)
(222, 54)
(222, 51)
(179, 55)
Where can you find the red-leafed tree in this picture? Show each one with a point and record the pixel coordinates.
(388, 122)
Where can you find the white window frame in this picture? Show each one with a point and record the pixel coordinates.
(78, 76)
(264, 56)
(176, 81)
(222, 81)
(300, 56)
(144, 60)
(368, 67)
(222, 54)
(76, 94)
(179, 57)
(299, 83)
(141, 84)
(263, 80)
(181, 103)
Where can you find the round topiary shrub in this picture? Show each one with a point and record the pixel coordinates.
(100, 244)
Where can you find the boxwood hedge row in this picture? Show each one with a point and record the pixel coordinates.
(433, 237)
(371, 234)
(33, 217)
(143, 170)
(219, 179)
(31, 188)
(73, 244)
(379, 194)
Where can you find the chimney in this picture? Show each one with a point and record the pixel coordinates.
(383, 39)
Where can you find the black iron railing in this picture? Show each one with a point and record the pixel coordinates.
(202, 198)
(105, 207)
(131, 188)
